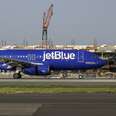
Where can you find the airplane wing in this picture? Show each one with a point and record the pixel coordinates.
(18, 62)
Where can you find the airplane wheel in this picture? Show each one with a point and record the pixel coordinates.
(17, 76)
(81, 76)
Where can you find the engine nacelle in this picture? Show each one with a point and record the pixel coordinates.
(37, 70)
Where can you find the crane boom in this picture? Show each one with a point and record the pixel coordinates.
(48, 17)
(46, 21)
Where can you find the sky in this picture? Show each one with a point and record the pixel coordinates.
(73, 21)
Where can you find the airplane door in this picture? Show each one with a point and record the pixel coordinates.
(81, 56)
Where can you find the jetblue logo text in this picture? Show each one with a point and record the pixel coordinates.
(58, 55)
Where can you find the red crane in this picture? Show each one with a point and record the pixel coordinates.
(46, 22)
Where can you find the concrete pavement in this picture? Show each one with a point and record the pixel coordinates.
(58, 105)
(56, 82)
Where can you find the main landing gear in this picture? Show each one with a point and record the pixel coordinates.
(17, 75)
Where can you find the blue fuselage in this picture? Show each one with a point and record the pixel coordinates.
(56, 59)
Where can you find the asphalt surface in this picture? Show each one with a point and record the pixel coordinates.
(58, 105)
(56, 82)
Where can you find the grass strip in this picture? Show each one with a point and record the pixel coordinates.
(56, 89)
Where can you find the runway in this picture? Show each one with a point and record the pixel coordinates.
(56, 82)
(58, 105)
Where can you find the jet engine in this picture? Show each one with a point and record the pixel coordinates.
(37, 70)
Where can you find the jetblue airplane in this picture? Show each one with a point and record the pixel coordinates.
(41, 62)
